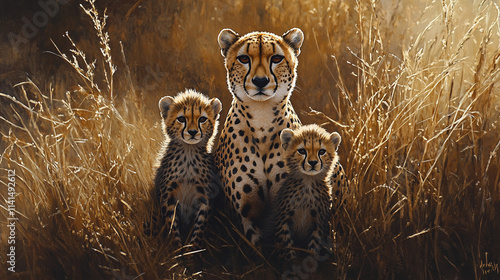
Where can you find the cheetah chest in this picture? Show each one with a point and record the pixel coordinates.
(304, 203)
(188, 205)
(252, 154)
(191, 188)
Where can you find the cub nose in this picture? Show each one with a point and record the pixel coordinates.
(312, 163)
(192, 132)
(260, 82)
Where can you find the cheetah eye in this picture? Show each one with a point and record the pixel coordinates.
(181, 119)
(302, 151)
(321, 152)
(244, 59)
(277, 58)
(202, 119)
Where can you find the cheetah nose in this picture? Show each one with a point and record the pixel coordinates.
(312, 163)
(260, 82)
(192, 132)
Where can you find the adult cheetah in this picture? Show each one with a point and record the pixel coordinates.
(261, 74)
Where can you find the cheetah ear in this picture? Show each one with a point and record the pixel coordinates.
(216, 105)
(226, 39)
(164, 105)
(286, 137)
(335, 138)
(294, 37)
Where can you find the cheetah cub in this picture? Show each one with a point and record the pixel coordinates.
(302, 206)
(187, 179)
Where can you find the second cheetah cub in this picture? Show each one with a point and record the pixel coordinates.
(187, 178)
(302, 206)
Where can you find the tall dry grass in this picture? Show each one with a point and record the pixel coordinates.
(422, 131)
(82, 172)
(411, 87)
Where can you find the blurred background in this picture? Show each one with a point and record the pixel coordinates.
(172, 45)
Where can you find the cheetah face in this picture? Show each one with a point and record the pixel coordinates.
(309, 149)
(261, 65)
(190, 116)
(190, 123)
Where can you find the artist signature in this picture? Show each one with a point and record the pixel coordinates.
(488, 267)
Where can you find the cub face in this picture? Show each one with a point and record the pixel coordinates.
(260, 65)
(190, 116)
(309, 149)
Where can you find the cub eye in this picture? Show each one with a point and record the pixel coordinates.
(321, 152)
(277, 58)
(181, 119)
(302, 151)
(243, 59)
(202, 119)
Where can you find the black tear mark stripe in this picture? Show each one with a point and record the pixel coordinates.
(199, 129)
(248, 72)
(304, 161)
(271, 68)
(274, 76)
(184, 124)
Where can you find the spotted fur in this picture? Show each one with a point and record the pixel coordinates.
(302, 206)
(261, 75)
(187, 178)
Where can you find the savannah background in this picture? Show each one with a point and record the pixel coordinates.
(411, 86)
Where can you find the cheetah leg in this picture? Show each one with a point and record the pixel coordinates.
(169, 209)
(320, 235)
(314, 245)
(285, 240)
(252, 233)
(200, 224)
(250, 212)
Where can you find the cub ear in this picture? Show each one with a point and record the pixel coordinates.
(294, 37)
(226, 39)
(286, 137)
(164, 105)
(216, 105)
(335, 138)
